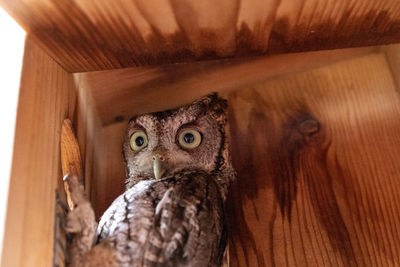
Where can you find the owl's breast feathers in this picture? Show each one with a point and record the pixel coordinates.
(175, 221)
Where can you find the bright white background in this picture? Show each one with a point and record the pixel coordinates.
(12, 39)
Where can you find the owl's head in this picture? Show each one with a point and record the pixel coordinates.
(191, 137)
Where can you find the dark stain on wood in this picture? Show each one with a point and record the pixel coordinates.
(325, 191)
(375, 27)
(248, 155)
(313, 165)
(83, 40)
(299, 131)
(268, 155)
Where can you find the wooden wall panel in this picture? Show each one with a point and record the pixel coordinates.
(87, 126)
(108, 180)
(393, 56)
(120, 94)
(47, 96)
(99, 35)
(317, 154)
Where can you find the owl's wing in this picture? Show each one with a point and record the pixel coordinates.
(189, 227)
(108, 219)
(170, 232)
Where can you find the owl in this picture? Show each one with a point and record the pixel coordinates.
(178, 171)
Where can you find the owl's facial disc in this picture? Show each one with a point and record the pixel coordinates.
(190, 138)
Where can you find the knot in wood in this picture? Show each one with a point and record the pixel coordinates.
(309, 127)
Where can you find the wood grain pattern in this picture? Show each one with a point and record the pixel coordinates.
(71, 163)
(120, 94)
(99, 35)
(47, 96)
(318, 166)
(87, 125)
(109, 167)
(392, 53)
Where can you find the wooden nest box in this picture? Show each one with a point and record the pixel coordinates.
(315, 135)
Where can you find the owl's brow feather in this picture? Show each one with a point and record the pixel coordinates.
(203, 105)
(162, 115)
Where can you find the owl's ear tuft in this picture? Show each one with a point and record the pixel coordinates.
(216, 107)
(205, 101)
(211, 105)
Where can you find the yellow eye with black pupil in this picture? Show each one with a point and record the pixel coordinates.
(189, 139)
(138, 140)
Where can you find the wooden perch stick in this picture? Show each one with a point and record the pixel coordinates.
(70, 157)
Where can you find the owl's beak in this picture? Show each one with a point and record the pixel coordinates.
(158, 165)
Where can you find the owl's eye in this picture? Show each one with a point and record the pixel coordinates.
(189, 139)
(138, 140)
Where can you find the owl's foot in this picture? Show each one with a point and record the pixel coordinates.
(81, 222)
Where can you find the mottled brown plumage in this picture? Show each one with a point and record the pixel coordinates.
(174, 220)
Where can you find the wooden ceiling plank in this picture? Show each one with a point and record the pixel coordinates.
(120, 94)
(96, 35)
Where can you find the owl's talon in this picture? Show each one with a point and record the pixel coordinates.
(81, 220)
(66, 177)
(76, 189)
